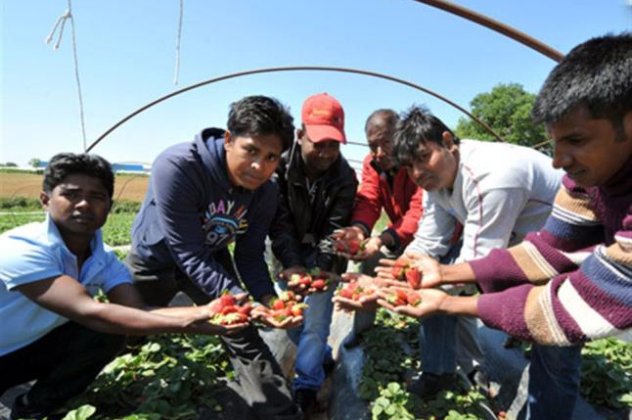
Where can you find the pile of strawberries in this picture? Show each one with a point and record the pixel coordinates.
(315, 281)
(400, 297)
(287, 305)
(354, 291)
(404, 270)
(227, 311)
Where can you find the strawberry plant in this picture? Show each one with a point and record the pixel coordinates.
(607, 373)
(169, 377)
(390, 355)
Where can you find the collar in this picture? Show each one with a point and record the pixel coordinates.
(55, 238)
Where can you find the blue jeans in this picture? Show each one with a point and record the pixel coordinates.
(554, 376)
(447, 340)
(311, 337)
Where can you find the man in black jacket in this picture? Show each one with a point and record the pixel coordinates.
(317, 188)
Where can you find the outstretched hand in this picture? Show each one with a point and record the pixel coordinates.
(431, 301)
(429, 268)
(264, 315)
(358, 293)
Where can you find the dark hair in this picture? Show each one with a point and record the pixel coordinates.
(63, 164)
(386, 116)
(596, 74)
(417, 126)
(261, 115)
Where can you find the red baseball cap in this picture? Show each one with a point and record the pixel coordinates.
(324, 118)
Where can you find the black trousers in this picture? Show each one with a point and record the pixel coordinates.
(260, 381)
(63, 364)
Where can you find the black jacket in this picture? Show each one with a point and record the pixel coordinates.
(301, 222)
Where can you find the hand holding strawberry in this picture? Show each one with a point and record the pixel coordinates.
(349, 247)
(358, 294)
(228, 310)
(413, 303)
(314, 281)
(285, 311)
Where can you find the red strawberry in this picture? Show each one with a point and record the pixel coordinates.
(399, 269)
(245, 309)
(413, 298)
(227, 299)
(413, 277)
(353, 246)
(397, 298)
(305, 280)
(297, 310)
(228, 309)
(278, 304)
(346, 292)
(319, 284)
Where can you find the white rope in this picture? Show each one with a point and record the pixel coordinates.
(178, 38)
(59, 28)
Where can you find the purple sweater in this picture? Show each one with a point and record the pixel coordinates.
(571, 281)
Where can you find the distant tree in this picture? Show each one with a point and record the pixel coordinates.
(35, 162)
(9, 165)
(507, 110)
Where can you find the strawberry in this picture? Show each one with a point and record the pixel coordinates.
(305, 280)
(398, 271)
(278, 304)
(319, 285)
(245, 309)
(287, 296)
(297, 310)
(397, 298)
(227, 299)
(353, 246)
(229, 309)
(413, 277)
(346, 292)
(413, 298)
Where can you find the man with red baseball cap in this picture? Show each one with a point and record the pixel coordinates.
(317, 191)
(323, 118)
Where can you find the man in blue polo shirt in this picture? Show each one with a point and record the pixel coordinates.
(53, 330)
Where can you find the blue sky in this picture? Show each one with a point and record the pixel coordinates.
(126, 53)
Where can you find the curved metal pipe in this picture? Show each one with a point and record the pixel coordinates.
(496, 26)
(291, 68)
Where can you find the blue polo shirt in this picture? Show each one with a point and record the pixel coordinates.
(35, 252)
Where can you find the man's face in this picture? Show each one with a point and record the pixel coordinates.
(78, 206)
(434, 167)
(318, 157)
(380, 138)
(590, 150)
(251, 161)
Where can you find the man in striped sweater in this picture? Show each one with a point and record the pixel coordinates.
(571, 281)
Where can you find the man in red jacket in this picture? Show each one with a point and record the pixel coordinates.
(383, 187)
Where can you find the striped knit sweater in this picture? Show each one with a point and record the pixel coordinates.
(571, 281)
